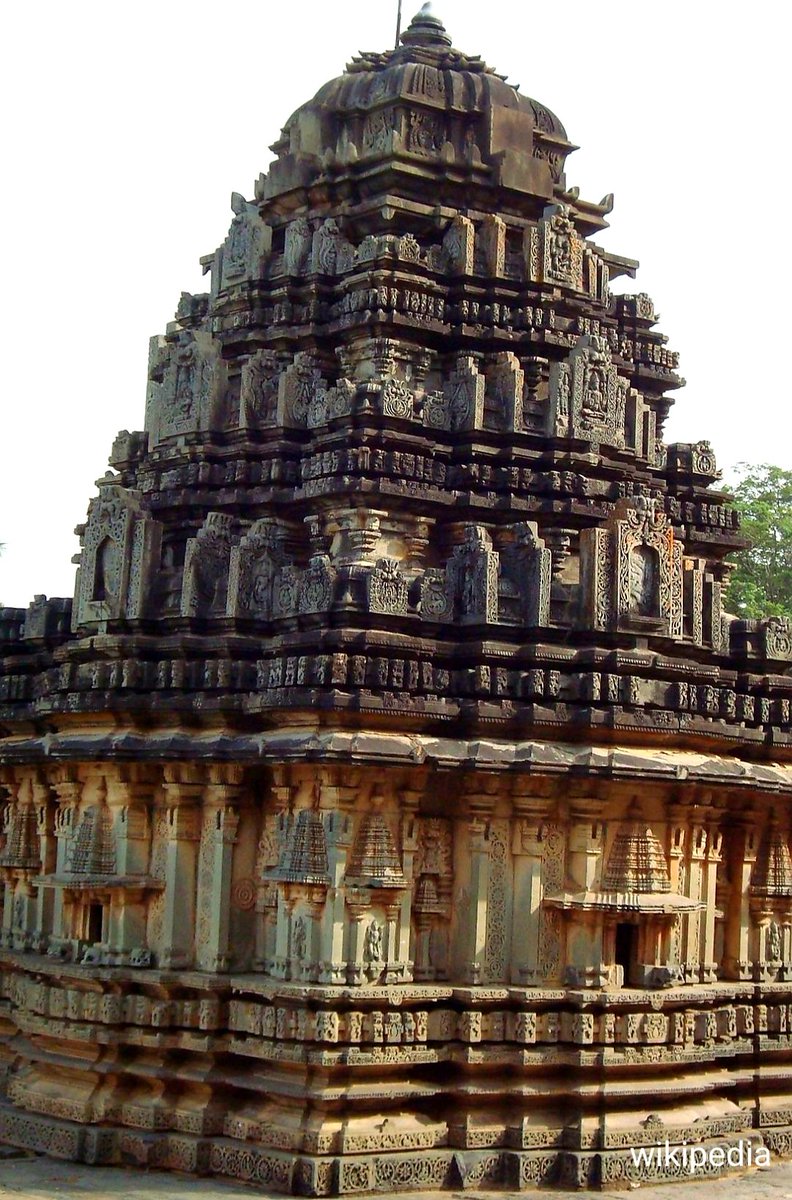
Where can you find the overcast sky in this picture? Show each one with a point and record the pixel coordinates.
(128, 126)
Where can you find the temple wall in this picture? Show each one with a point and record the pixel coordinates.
(470, 934)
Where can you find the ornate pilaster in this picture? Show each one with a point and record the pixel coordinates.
(332, 967)
(68, 790)
(709, 967)
(183, 791)
(48, 849)
(527, 850)
(220, 823)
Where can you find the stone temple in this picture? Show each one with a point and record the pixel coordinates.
(395, 805)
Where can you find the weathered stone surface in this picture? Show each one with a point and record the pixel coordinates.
(396, 805)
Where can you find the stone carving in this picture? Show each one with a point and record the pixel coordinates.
(527, 566)
(317, 585)
(297, 389)
(331, 253)
(374, 861)
(186, 383)
(305, 855)
(458, 246)
(378, 131)
(387, 588)
(327, 404)
(503, 398)
(259, 389)
(206, 568)
(462, 403)
(255, 566)
(248, 240)
(368, 741)
(777, 638)
(120, 547)
(396, 399)
(632, 570)
(555, 249)
(436, 600)
(300, 939)
(21, 850)
(491, 237)
(472, 575)
(587, 395)
(772, 871)
(372, 948)
(425, 134)
(297, 247)
(636, 862)
(93, 850)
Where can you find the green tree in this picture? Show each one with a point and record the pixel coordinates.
(761, 585)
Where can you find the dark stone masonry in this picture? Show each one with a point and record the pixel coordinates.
(396, 805)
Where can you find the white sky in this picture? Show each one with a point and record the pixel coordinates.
(128, 126)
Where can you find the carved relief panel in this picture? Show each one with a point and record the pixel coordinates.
(588, 397)
(555, 249)
(631, 571)
(186, 384)
(206, 568)
(120, 544)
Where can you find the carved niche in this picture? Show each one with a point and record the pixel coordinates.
(297, 247)
(503, 396)
(331, 253)
(468, 588)
(206, 568)
(258, 397)
(186, 384)
(473, 576)
(461, 404)
(588, 397)
(298, 388)
(431, 906)
(255, 570)
(555, 249)
(249, 240)
(459, 246)
(526, 576)
(631, 571)
(120, 544)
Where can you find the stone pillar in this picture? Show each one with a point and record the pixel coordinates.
(692, 941)
(480, 807)
(271, 847)
(332, 916)
(9, 878)
(358, 913)
(281, 966)
(182, 799)
(585, 842)
(68, 790)
(393, 968)
(48, 849)
(409, 799)
(220, 824)
(527, 851)
(130, 803)
(709, 967)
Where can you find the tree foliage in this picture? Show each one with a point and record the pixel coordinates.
(761, 585)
